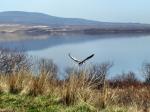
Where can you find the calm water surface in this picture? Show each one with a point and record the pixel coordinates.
(127, 52)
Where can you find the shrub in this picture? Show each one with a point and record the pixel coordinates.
(146, 71)
(45, 80)
(48, 67)
(13, 61)
(125, 80)
(98, 74)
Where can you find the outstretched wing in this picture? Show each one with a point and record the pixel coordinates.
(88, 58)
(74, 59)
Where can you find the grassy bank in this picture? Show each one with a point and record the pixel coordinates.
(24, 92)
(82, 90)
(20, 103)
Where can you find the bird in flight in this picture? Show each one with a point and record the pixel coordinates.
(80, 62)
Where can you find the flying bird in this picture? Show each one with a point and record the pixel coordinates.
(80, 62)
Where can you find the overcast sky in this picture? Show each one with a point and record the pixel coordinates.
(101, 10)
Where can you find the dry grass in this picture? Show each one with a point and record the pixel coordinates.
(84, 86)
(77, 88)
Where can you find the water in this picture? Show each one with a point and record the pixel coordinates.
(127, 52)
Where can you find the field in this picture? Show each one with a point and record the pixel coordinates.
(82, 90)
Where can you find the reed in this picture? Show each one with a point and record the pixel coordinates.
(88, 87)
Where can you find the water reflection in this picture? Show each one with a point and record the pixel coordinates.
(127, 52)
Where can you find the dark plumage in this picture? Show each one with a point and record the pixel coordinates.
(80, 62)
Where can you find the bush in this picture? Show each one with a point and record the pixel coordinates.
(146, 71)
(98, 73)
(48, 67)
(125, 80)
(45, 80)
(12, 61)
(80, 82)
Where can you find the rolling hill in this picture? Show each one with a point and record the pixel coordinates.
(39, 23)
(32, 18)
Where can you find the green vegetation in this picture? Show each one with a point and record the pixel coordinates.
(82, 90)
(21, 103)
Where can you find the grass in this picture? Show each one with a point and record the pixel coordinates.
(82, 90)
(24, 92)
(19, 103)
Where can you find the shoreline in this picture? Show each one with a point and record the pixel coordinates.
(22, 36)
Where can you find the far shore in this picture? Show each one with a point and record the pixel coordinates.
(37, 35)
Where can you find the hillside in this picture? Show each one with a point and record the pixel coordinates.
(32, 18)
(38, 24)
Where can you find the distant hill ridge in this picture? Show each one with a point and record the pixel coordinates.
(34, 18)
(60, 25)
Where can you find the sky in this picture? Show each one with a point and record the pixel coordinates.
(136, 11)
